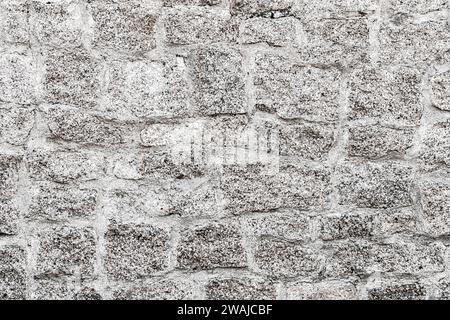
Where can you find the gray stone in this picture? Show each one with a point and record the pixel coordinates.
(440, 84)
(123, 27)
(218, 82)
(9, 218)
(66, 250)
(165, 289)
(63, 166)
(296, 91)
(13, 282)
(15, 124)
(14, 27)
(270, 9)
(171, 3)
(435, 151)
(391, 289)
(435, 200)
(71, 125)
(325, 290)
(59, 203)
(188, 27)
(417, 6)
(280, 258)
(209, 246)
(16, 78)
(274, 32)
(135, 250)
(345, 226)
(224, 288)
(72, 77)
(375, 184)
(390, 96)
(376, 141)
(9, 175)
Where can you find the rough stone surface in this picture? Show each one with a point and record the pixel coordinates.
(224, 149)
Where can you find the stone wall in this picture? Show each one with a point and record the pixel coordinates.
(215, 149)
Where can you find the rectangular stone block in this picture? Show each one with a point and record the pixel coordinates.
(13, 278)
(171, 3)
(435, 200)
(66, 250)
(295, 91)
(71, 77)
(17, 77)
(281, 32)
(217, 77)
(393, 289)
(9, 218)
(139, 90)
(435, 150)
(440, 87)
(292, 226)
(63, 166)
(389, 96)
(72, 125)
(308, 141)
(200, 26)
(57, 24)
(324, 290)
(60, 203)
(135, 250)
(9, 175)
(15, 123)
(417, 6)
(375, 184)
(409, 41)
(14, 27)
(332, 9)
(123, 27)
(211, 245)
(240, 288)
(336, 41)
(280, 258)
(269, 9)
(375, 141)
(165, 289)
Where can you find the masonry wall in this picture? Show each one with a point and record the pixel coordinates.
(179, 149)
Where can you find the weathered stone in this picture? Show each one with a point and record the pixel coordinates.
(9, 175)
(57, 24)
(309, 141)
(71, 125)
(16, 78)
(440, 85)
(404, 40)
(337, 41)
(171, 3)
(64, 166)
(9, 216)
(13, 280)
(391, 97)
(224, 288)
(376, 141)
(135, 250)
(375, 185)
(417, 6)
(15, 124)
(66, 250)
(59, 203)
(200, 27)
(292, 226)
(269, 9)
(87, 293)
(123, 27)
(53, 289)
(217, 78)
(435, 200)
(214, 245)
(148, 89)
(346, 226)
(166, 289)
(274, 32)
(72, 77)
(435, 152)
(332, 9)
(296, 91)
(14, 26)
(281, 258)
(325, 290)
(391, 289)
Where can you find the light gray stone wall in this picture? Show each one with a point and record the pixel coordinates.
(216, 149)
